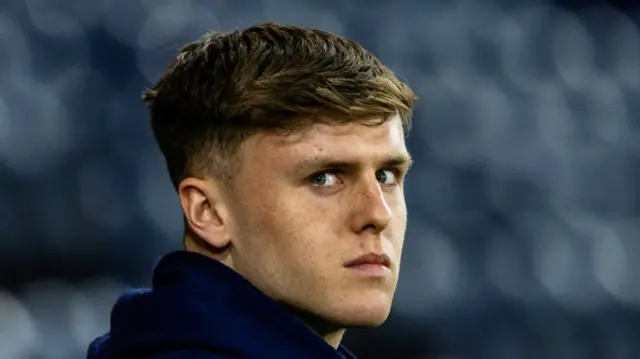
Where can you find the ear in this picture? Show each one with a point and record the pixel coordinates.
(205, 211)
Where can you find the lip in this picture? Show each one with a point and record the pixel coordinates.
(370, 265)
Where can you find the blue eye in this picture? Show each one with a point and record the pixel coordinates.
(386, 177)
(324, 179)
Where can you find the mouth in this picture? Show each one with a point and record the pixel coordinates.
(370, 265)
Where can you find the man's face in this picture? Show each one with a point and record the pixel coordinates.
(306, 204)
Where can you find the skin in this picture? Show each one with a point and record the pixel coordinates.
(303, 205)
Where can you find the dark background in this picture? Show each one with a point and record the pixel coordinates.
(524, 204)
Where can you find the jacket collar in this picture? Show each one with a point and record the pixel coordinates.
(198, 302)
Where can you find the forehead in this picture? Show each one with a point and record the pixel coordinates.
(343, 140)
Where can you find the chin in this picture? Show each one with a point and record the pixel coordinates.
(365, 311)
(364, 320)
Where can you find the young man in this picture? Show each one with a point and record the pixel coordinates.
(287, 149)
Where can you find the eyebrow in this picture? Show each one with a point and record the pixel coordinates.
(403, 160)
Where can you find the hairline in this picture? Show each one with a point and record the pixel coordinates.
(234, 163)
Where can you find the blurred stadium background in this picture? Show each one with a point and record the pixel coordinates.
(523, 237)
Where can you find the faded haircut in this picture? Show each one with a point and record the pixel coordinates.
(224, 87)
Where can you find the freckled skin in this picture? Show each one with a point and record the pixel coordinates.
(301, 207)
(291, 238)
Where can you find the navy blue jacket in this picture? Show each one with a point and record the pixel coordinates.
(200, 309)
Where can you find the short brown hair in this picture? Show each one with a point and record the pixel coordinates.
(225, 87)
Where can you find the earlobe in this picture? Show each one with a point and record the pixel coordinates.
(204, 211)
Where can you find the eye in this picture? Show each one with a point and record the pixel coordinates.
(387, 177)
(324, 179)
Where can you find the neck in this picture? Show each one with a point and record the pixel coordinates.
(330, 332)
(334, 338)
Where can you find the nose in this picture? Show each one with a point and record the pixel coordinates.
(371, 212)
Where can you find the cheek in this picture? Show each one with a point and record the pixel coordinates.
(306, 230)
(398, 226)
(290, 222)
